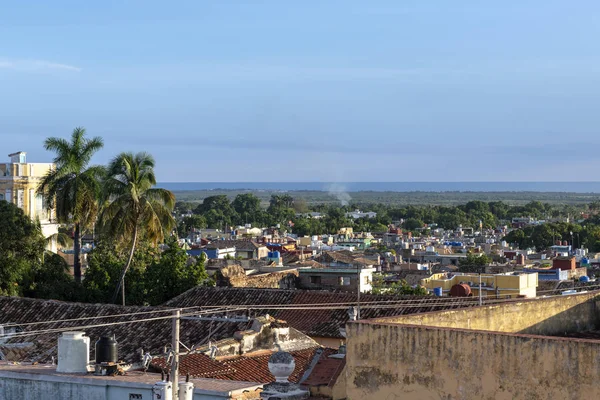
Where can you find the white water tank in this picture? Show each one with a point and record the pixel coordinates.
(73, 352)
(162, 391)
(186, 391)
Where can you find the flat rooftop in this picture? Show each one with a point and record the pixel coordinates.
(130, 379)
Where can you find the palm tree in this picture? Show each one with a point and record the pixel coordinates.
(72, 187)
(133, 207)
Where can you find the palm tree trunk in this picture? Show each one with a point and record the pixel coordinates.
(121, 284)
(77, 254)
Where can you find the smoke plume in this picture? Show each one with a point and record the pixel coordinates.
(338, 191)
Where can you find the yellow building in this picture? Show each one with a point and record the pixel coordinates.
(499, 285)
(304, 241)
(18, 184)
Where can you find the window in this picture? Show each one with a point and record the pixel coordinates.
(344, 280)
(366, 280)
(1, 196)
(20, 198)
(135, 396)
(315, 280)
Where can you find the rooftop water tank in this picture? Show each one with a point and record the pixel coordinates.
(584, 279)
(106, 350)
(162, 390)
(73, 352)
(460, 290)
(276, 254)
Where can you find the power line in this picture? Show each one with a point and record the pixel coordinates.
(157, 310)
(205, 310)
(83, 327)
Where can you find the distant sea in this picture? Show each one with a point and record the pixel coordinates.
(571, 187)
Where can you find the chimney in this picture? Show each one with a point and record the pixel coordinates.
(73, 352)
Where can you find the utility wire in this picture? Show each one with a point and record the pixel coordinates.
(205, 310)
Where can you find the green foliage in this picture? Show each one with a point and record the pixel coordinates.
(21, 248)
(247, 206)
(217, 210)
(184, 207)
(52, 280)
(281, 209)
(186, 224)
(413, 223)
(133, 206)
(153, 278)
(474, 263)
(172, 274)
(542, 236)
(395, 288)
(72, 188)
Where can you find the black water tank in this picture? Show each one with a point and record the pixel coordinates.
(106, 350)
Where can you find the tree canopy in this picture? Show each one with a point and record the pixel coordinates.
(134, 207)
(21, 248)
(72, 187)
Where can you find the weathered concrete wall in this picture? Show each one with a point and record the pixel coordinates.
(542, 316)
(39, 387)
(25, 389)
(422, 363)
(235, 276)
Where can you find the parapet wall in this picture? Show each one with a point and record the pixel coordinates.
(541, 316)
(387, 361)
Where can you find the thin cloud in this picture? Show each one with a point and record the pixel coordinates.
(36, 65)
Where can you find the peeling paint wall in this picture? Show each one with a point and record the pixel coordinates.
(542, 316)
(423, 363)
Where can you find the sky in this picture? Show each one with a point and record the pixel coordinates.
(311, 90)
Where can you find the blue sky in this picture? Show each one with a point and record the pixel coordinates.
(311, 90)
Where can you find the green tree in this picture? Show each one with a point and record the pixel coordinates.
(281, 209)
(21, 248)
(72, 187)
(217, 210)
(247, 206)
(395, 288)
(134, 206)
(51, 280)
(474, 263)
(412, 223)
(173, 274)
(192, 222)
(105, 265)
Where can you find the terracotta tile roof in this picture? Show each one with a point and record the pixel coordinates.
(326, 371)
(197, 365)
(151, 336)
(308, 263)
(335, 256)
(312, 322)
(364, 261)
(251, 367)
(242, 245)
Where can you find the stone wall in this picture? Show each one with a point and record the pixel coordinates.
(389, 361)
(235, 276)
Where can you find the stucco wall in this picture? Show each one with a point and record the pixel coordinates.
(542, 316)
(423, 363)
(25, 389)
(40, 387)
